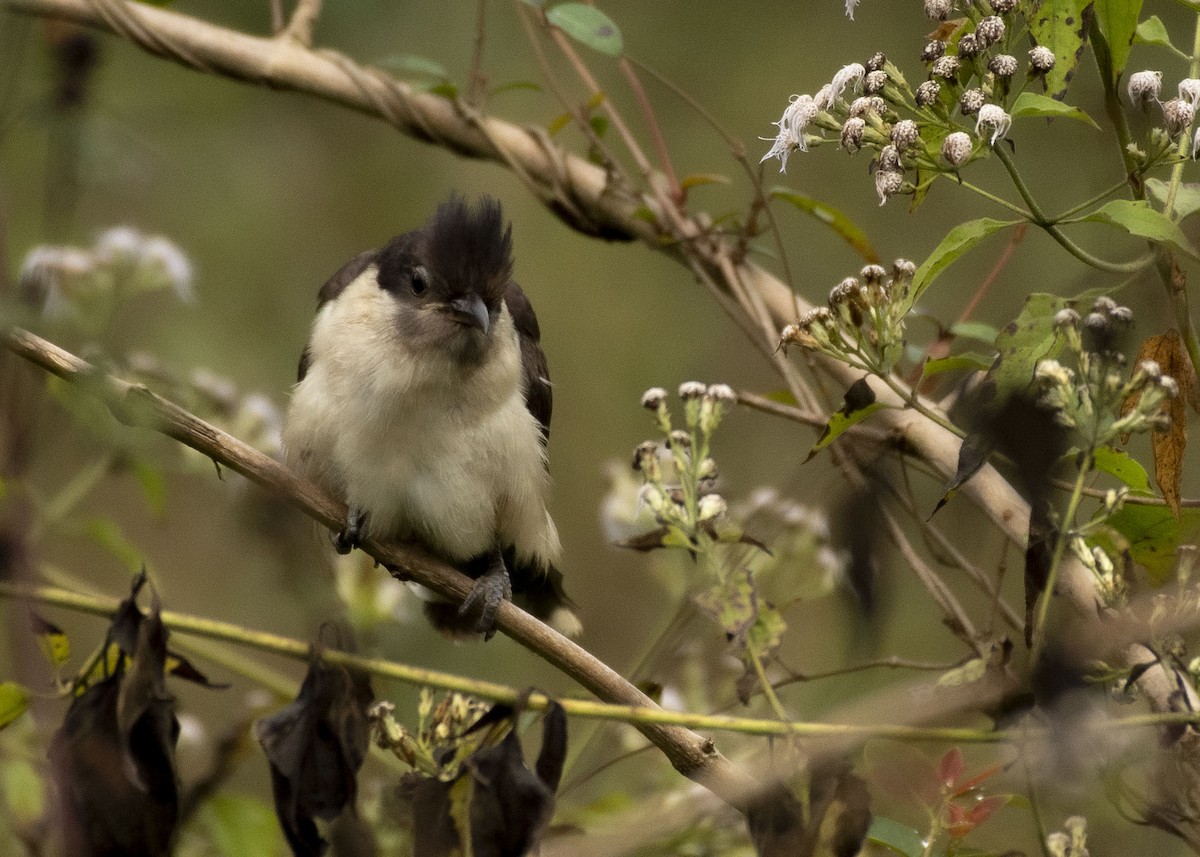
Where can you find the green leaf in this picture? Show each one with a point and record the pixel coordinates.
(1154, 534)
(1035, 104)
(412, 64)
(1024, 343)
(1187, 196)
(240, 825)
(24, 790)
(588, 25)
(1153, 31)
(859, 404)
(697, 179)
(153, 484)
(514, 85)
(1138, 218)
(1061, 26)
(969, 360)
(14, 699)
(972, 671)
(958, 241)
(975, 330)
(107, 533)
(1116, 462)
(1118, 20)
(845, 228)
(895, 837)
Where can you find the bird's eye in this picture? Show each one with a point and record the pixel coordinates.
(420, 280)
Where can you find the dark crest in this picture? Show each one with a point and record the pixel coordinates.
(471, 247)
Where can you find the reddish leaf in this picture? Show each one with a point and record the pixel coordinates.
(986, 808)
(951, 767)
(973, 782)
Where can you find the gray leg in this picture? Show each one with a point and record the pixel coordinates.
(487, 593)
(351, 535)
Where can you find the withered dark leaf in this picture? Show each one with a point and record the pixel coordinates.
(1167, 349)
(114, 756)
(776, 822)
(315, 747)
(509, 806)
(839, 810)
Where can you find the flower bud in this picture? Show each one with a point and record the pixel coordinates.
(712, 507)
(1066, 317)
(654, 398)
(860, 107)
(989, 31)
(968, 46)
(874, 82)
(877, 61)
(722, 393)
(872, 274)
(971, 101)
(1003, 65)
(903, 270)
(1041, 59)
(945, 67)
(938, 10)
(1003, 7)
(689, 390)
(928, 92)
(934, 50)
(679, 439)
(905, 133)
(956, 148)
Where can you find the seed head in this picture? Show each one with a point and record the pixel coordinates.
(874, 82)
(945, 67)
(1041, 59)
(1003, 65)
(928, 92)
(888, 183)
(1178, 116)
(877, 61)
(905, 133)
(1144, 87)
(852, 133)
(989, 31)
(956, 148)
(970, 101)
(933, 50)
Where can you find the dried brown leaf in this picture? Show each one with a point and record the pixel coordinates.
(1168, 351)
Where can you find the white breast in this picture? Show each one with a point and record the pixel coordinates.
(430, 449)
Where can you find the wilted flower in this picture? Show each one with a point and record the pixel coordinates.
(956, 148)
(889, 157)
(1196, 144)
(800, 111)
(849, 75)
(993, 116)
(1041, 59)
(1189, 90)
(851, 5)
(1144, 87)
(888, 183)
(852, 133)
(1178, 116)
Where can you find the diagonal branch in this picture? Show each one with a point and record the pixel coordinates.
(134, 404)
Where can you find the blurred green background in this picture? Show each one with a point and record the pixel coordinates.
(268, 193)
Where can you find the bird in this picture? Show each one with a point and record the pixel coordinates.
(423, 400)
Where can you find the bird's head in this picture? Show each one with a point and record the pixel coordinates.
(449, 277)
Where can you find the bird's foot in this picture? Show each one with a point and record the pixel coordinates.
(486, 595)
(350, 536)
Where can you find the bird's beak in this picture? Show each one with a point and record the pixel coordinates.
(470, 310)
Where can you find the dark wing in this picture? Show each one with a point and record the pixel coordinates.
(538, 397)
(333, 287)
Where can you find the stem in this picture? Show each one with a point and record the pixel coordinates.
(912, 400)
(765, 683)
(1177, 170)
(1016, 209)
(1060, 547)
(656, 134)
(71, 495)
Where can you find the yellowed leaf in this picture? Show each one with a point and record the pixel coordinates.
(1168, 351)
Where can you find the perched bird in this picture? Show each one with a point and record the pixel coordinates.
(424, 401)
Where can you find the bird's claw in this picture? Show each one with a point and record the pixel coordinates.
(350, 535)
(486, 596)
